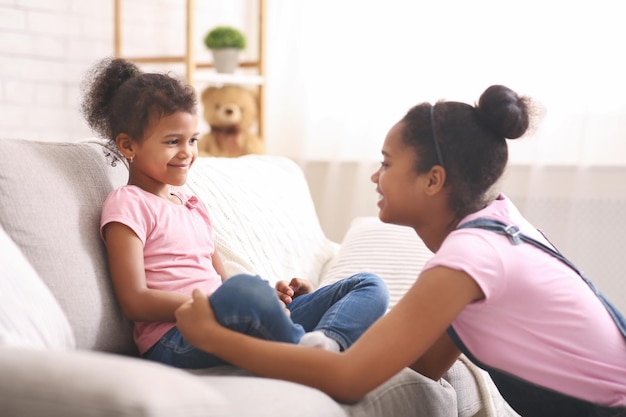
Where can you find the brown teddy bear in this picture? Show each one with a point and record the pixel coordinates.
(232, 113)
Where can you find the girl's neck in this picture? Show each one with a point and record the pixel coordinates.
(160, 190)
(435, 232)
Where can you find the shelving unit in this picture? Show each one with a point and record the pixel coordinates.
(195, 69)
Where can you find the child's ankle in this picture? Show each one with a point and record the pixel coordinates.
(319, 340)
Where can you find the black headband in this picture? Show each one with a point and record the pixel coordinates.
(432, 127)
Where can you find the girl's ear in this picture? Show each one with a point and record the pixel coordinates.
(436, 179)
(125, 145)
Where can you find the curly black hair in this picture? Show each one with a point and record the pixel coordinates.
(119, 98)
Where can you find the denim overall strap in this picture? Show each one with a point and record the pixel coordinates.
(516, 237)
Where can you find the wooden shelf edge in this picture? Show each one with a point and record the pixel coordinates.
(181, 60)
(235, 78)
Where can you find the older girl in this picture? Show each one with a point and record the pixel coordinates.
(550, 344)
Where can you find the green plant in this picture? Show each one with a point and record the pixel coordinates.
(224, 37)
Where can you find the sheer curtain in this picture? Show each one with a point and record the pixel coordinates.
(340, 73)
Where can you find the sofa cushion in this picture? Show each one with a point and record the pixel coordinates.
(263, 215)
(266, 396)
(406, 394)
(80, 383)
(55, 195)
(30, 315)
(395, 253)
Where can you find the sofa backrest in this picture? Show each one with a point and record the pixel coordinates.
(52, 195)
(264, 217)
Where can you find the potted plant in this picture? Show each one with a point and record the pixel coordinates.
(225, 42)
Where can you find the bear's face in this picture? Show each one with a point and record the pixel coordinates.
(229, 106)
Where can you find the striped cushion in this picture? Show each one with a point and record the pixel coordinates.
(393, 252)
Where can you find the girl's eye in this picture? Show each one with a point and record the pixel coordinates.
(172, 142)
(193, 140)
(384, 164)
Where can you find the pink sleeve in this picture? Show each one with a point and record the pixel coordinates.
(474, 253)
(127, 206)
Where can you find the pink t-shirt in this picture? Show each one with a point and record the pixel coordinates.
(178, 246)
(539, 320)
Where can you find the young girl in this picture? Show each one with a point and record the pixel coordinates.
(160, 242)
(549, 343)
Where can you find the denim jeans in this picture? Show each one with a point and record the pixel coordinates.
(248, 304)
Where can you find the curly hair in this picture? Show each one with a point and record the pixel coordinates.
(119, 98)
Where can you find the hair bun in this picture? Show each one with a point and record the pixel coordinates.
(99, 87)
(504, 112)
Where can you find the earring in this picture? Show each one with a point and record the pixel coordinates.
(131, 159)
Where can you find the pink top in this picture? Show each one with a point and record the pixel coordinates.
(539, 320)
(178, 246)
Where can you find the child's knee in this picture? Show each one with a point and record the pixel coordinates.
(370, 279)
(376, 286)
(245, 285)
(250, 293)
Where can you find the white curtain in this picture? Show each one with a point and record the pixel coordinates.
(340, 73)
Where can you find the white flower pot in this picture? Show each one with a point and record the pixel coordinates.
(225, 60)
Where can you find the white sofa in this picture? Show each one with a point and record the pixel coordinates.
(66, 349)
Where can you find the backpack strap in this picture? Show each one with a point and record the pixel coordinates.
(516, 237)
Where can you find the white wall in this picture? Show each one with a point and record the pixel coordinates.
(45, 47)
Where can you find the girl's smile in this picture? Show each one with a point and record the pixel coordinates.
(396, 180)
(166, 153)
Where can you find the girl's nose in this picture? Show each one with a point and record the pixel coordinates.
(374, 177)
(185, 151)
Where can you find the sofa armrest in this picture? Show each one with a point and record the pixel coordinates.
(85, 383)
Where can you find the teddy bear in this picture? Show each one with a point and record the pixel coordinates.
(232, 114)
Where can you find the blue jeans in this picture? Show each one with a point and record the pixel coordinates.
(247, 304)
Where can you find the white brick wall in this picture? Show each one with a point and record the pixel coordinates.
(46, 46)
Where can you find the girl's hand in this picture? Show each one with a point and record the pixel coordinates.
(287, 311)
(287, 291)
(196, 321)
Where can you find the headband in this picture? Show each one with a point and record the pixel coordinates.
(432, 127)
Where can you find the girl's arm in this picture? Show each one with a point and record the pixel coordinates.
(438, 359)
(395, 341)
(219, 265)
(126, 266)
